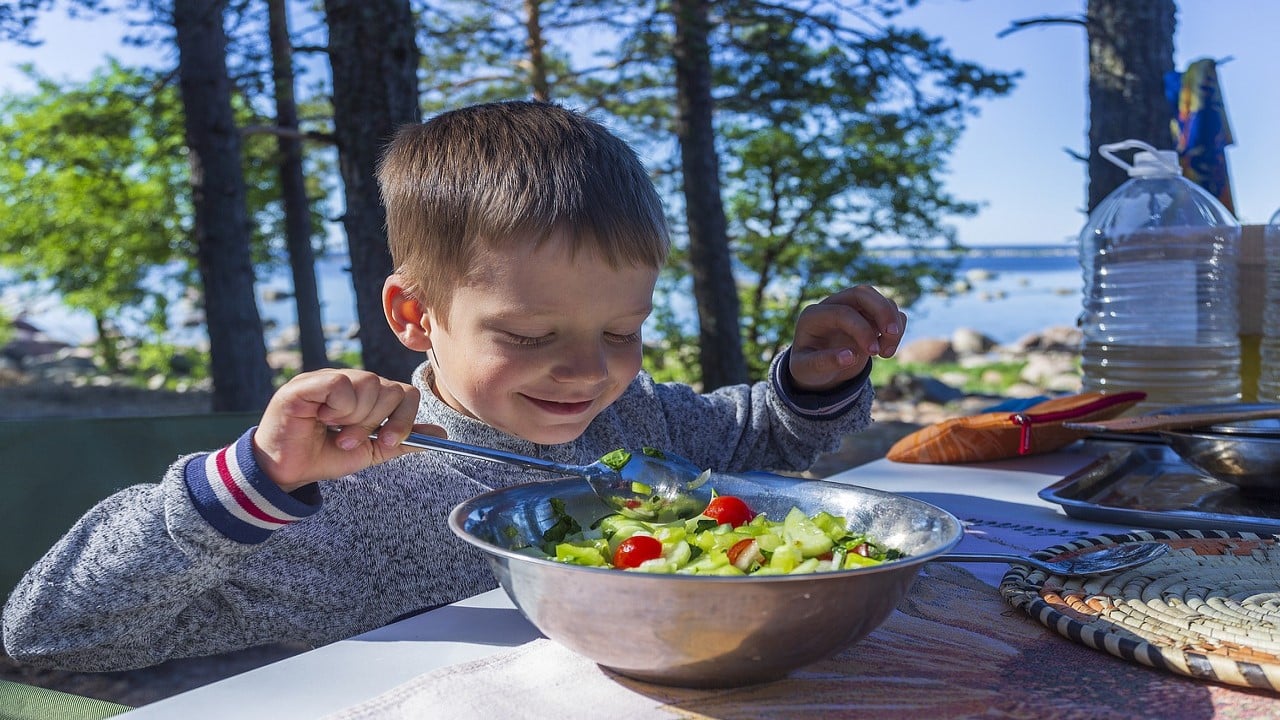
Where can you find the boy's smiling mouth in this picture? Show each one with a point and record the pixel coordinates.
(561, 408)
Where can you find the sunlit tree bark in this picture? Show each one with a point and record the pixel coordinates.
(374, 58)
(293, 191)
(714, 289)
(237, 352)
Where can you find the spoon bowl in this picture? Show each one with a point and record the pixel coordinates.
(647, 485)
(1096, 561)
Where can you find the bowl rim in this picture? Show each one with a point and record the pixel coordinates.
(462, 510)
(1208, 433)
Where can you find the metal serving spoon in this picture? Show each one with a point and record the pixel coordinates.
(648, 484)
(1098, 561)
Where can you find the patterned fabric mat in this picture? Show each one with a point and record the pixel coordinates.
(1209, 609)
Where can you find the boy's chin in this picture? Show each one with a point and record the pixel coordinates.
(553, 433)
(553, 436)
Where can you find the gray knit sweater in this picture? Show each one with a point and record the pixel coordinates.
(153, 571)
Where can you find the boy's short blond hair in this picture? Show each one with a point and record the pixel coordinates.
(489, 175)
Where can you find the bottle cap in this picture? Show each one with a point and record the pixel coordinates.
(1147, 162)
(1161, 163)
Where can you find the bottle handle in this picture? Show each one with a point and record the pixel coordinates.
(1109, 150)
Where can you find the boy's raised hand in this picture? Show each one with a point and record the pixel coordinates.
(835, 338)
(296, 444)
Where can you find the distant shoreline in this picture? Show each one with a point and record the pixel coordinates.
(981, 251)
(1025, 288)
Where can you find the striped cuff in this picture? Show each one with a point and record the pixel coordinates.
(827, 405)
(236, 498)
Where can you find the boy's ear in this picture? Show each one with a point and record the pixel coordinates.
(406, 316)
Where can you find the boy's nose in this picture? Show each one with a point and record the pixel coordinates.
(585, 362)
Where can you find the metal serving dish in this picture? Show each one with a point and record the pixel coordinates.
(1244, 454)
(697, 631)
(1146, 484)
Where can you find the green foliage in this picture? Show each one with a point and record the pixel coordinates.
(6, 327)
(95, 195)
(261, 157)
(179, 365)
(92, 190)
(349, 358)
(836, 138)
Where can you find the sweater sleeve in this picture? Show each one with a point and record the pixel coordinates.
(233, 494)
(763, 426)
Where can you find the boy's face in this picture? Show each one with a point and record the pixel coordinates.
(539, 343)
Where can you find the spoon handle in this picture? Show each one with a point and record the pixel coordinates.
(996, 558)
(431, 442)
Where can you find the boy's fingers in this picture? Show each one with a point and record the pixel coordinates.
(834, 325)
(891, 337)
(399, 421)
(421, 429)
(873, 321)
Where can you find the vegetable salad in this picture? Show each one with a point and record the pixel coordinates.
(727, 538)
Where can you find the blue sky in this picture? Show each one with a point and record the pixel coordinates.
(1012, 158)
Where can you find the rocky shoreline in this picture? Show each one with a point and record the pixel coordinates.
(47, 381)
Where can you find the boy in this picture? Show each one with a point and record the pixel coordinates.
(527, 241)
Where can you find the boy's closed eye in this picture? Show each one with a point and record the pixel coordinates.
(528, 340)
(537, 340)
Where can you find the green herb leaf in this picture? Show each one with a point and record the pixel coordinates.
(617, 459)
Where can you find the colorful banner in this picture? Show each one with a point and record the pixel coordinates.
(1201, 132)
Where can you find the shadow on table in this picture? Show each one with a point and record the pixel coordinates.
(459, 623)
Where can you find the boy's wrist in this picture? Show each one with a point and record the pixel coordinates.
(825, 404)
(232, 493)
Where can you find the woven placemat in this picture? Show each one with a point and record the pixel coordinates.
(1209, 609)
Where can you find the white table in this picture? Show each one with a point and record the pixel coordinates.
(347, 672)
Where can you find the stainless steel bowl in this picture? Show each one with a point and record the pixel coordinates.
(1246, 455)
(706, 631)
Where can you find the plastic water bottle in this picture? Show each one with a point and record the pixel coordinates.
(1160, 312)
(1269, 375)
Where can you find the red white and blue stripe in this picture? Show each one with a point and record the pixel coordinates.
(233, 494)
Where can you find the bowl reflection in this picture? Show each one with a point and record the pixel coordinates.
(700, 631)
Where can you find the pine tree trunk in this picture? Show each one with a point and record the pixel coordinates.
(1130, 51)
(714, 289)
(293, 190)
(534, 45)
(375, 90)
(237, 353)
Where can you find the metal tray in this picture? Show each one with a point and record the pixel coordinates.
(1143, 484)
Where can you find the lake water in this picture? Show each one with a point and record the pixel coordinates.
(1013, 292)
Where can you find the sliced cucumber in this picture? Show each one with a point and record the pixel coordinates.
(801, 532)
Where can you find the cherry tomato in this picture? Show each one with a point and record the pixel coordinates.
(729, 509)
(635, 550)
